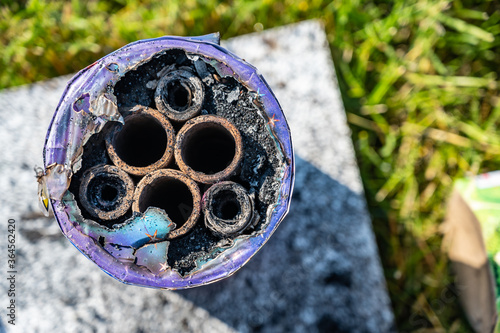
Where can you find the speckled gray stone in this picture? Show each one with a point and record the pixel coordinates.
(320, 272)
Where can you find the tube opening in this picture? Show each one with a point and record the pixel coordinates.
(171, 195)
(103, 192)
(109, 193)
(179, 95)
(228, 208)
(141, 142)
(226, 205)
(209, 149)
(106, 192)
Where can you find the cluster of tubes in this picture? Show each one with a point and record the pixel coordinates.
(207, 151)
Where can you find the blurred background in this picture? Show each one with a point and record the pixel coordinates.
(419, 80)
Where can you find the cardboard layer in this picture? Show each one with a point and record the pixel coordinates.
(466, 248)
(475, 286)
(463, 238)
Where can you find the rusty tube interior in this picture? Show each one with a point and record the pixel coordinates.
(143, 144)
(208, 149)
(173, 192)
(171, 195)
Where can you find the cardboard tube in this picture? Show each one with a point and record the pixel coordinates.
(175, 193)
(179, 95)
(106, 192)
(208, 149)
(144, 144)
(228, 208)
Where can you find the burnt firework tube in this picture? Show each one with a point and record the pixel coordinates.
(179, 95)
(175, 193)
(208, 149)
(106, 192)
(143, 144)
(168, 162)
(228, 208)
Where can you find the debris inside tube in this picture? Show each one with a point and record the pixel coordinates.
(178, 162)
(228, 208)
(179, 95)
(106, 192)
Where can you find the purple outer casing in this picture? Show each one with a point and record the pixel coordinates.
(94, 80)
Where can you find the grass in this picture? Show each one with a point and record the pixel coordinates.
(420, 86)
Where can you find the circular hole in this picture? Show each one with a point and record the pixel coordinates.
(103, 192)
(209, 149)
(171, 195)
(226, 205)
(141, 142)
(109, 193)
(179, 95)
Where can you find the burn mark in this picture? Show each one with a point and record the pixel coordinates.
(82, 103)
(113, 67)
